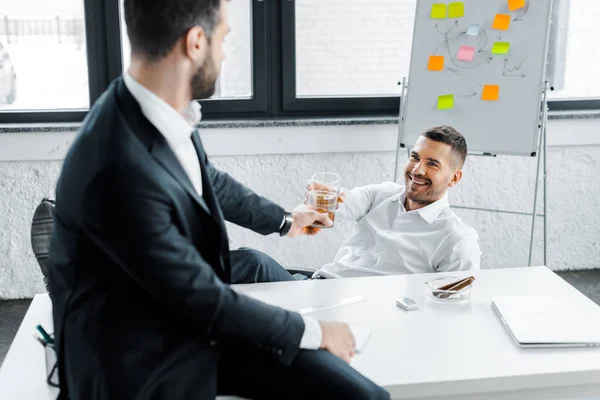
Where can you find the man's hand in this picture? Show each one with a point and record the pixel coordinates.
(338, 340)
(303, 216)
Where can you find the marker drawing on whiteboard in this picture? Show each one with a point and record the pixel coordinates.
(525, 9)
(509, 72)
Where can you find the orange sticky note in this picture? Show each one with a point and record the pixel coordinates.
(490, 92)
(515, 4)
(501, 22)
(436, 63)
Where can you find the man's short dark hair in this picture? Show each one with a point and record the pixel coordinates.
(154, 26)
(449, 135)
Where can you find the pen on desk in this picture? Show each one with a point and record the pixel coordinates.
(44, 334)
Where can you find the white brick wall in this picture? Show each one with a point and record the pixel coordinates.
(502, 182)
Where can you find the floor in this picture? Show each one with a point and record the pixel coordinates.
(13, 311)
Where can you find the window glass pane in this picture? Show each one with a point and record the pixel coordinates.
(578, 29)
(43, 59)
(235, 81)
(356, 48)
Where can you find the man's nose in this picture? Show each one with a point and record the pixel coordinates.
(418, 169)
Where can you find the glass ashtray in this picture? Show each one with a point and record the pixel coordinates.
(437, 295)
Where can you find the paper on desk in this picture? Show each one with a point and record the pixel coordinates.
(362, 334)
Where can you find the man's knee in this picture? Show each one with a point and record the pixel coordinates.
(261, 267)
(374, 392)
(365, 389)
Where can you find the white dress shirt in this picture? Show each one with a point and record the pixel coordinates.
(389, 240)
(177, 129)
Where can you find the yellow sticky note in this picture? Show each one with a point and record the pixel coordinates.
(500, 47)
(438, 11)
(445, 101)
(456, 9)
(515, 4)
(436, 63)
(490, 92)
(501, 22)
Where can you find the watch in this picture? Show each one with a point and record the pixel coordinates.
(287, 224)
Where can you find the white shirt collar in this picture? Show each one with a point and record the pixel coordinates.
(175, 127)
(431, 211)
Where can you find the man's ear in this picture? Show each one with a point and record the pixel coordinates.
(456, 178)
(196, 44)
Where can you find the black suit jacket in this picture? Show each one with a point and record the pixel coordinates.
(139, 265)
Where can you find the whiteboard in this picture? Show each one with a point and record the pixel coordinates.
(508, 125)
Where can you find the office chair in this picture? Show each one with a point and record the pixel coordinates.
(41, 233)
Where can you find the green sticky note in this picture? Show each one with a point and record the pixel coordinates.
(445, 101)
(500, 47)
(456, 9)
(438, 11)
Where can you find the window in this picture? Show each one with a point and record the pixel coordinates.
(581, 59)
(235, 81)
(43, 55)
(355, 49)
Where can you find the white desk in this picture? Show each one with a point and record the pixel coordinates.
(23, 373)
(448, 353)
(433, 353)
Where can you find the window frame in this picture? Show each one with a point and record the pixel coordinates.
(273, 74)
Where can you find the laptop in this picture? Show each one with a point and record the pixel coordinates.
(539, 321)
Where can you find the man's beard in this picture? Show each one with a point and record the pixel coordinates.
(426, 195)
(204, 81)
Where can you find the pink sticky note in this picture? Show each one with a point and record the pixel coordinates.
(466, 53)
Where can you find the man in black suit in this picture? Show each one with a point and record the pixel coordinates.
(139, 263)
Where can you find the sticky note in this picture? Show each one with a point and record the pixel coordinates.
(466, 53)
(490, 92)
(515, 4)
(473, 30)
(456, 9)
(438, 11)
(501, 22)
(445, 101)
(500, 47)
(436, 63)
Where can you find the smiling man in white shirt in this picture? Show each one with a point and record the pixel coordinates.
(409, 228)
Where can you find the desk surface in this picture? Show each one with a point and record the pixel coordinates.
(23, 373)
(448, 352)
(432, 353)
